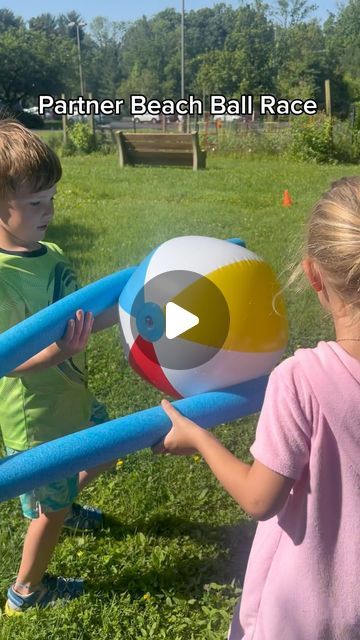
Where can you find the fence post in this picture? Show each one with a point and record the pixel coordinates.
(327, 98)
(91, 117)
(64, 122)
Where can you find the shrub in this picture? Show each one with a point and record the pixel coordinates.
(356, 107)
(317, 139)
(346, 141)
(312, 138)
(104, 144)
(248, 142)
(79, 142)
(67, 149)
(55, 142)
(355, 146)
(82, 138)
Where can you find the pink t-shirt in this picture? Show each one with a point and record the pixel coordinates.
(303, 575)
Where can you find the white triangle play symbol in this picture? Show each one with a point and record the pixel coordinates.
(178, 320)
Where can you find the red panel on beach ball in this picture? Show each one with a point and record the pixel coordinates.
(142, 358)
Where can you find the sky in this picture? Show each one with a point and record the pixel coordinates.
(125, 10)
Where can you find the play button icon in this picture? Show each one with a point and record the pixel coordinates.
(178, 320)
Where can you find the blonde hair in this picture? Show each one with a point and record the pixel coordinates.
(25, 160)
(332, 239)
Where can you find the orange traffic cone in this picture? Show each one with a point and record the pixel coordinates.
(287, 200)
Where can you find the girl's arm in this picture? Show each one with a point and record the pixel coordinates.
(258, 490)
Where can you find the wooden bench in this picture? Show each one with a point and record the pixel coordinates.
(176, 149)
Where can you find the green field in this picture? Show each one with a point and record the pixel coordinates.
(171, 560)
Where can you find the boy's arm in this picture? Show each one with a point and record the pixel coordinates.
(106, 319)
(75, 340)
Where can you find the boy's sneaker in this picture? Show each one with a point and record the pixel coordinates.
(50, 591)
(84, 518)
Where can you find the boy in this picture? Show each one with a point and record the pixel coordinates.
(46, 397)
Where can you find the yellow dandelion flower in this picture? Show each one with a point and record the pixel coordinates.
(119, 464)
(146, 596)
(196, 458)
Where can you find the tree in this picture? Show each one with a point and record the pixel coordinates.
(102, 57)
(153, 46)
(291, 12)
(342, 35)
(70, 32)
(32, 65)
(46, 23)
(8, 20)
(252, 44)
(139, 82)
(302, 64)
(207, 29)
(216, 74)
(107, 33)
(250, 49)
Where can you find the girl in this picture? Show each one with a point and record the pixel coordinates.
(302, 580)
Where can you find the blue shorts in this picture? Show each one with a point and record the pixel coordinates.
(57, 495)
(50, 497)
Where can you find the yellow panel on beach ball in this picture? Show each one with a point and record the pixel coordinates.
(257, 313)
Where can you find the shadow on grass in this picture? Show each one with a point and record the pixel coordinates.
(185, 578)
(73, 238)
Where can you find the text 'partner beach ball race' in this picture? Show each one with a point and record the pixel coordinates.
(200, 314)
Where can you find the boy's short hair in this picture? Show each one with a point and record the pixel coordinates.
(25, 160)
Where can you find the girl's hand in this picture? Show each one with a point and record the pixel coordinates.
(77, 334)
(183, 437)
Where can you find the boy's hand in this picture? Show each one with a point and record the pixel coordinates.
(183, 437)
(75, 340)
(77, 334)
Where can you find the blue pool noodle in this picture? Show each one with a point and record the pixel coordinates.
(30, 336)
(65, 456)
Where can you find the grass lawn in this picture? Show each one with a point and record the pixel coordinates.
(170, 562)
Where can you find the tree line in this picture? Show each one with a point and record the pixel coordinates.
(252, 49)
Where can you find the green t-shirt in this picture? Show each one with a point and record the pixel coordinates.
(40, 406)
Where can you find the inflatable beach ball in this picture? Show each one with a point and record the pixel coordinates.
(201, 314)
